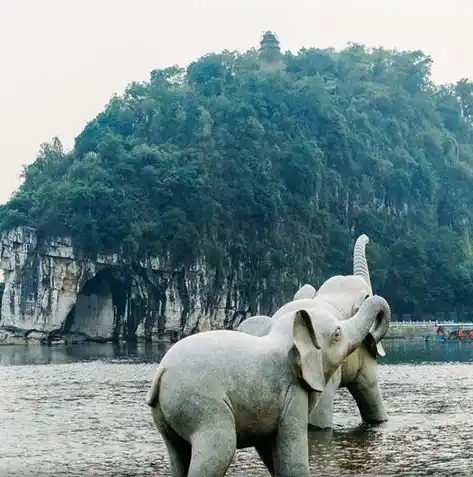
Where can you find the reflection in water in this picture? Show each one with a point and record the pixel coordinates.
(84, 413)
(420, 351)
(61, 354)
(357, 446)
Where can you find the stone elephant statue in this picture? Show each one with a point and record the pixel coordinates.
(216, 391)
(343, 296)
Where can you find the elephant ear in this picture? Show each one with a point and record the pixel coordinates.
(305, 292)
(305, 356)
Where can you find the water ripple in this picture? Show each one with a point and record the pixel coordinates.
(87, 418)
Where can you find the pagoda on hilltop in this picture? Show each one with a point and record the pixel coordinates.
(270, 52)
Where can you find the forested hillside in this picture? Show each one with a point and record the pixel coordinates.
(275, 171)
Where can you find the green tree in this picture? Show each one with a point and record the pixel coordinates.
(269, 174)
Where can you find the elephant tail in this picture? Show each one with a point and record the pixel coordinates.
(153, 394)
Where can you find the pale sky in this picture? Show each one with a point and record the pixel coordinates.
(61, 60)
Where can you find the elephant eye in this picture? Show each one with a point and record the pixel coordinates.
(337, 334)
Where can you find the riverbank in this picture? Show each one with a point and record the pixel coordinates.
(27, 337)
(410, 330)
(396, 331)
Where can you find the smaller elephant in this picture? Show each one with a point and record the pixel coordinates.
(343, 295)
(217, 391)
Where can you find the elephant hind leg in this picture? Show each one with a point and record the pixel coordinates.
(369, 399)
(179, 453)
(213, 446)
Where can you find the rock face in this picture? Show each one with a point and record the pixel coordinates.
(51, 290)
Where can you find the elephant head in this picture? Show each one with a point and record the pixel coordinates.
(347, 293)
(342, 295)
(322, 341)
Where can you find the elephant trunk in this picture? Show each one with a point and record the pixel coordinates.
(374, 310)
(360, 265)
(376, 334)
(380, 327)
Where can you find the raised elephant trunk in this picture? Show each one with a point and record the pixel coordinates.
(373, 311)
(360, 265)
(381, 326)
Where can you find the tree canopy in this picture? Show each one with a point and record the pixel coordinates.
(274, 173)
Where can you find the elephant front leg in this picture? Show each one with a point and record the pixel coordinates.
(369, 399)
(321, 416)
(291, 446)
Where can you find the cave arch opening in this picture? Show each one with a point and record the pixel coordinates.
(101, 307)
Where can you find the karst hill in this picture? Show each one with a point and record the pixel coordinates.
(262, 167)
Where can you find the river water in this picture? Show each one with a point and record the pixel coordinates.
(80, 410)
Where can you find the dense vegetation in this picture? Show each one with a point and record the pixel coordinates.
(275, 172)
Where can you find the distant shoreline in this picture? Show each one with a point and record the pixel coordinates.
(409, 330)
(397, 330)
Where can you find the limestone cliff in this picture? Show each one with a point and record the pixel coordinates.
(50, 288)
